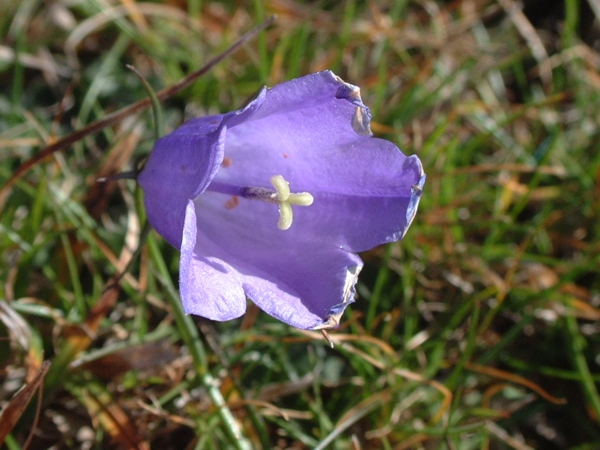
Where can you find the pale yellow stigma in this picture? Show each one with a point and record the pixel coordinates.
(285, 199)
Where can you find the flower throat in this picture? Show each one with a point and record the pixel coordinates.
(280, 195)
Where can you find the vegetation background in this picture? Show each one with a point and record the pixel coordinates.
(479, 331)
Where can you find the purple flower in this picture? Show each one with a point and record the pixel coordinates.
(273, 201)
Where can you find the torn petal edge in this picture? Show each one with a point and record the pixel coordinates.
(361, 121)
(332, 319)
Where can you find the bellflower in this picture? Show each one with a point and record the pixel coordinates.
(272, 202)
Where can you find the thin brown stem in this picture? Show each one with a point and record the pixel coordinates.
(119, 115)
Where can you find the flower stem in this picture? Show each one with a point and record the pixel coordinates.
(159, 123)
(191, 338)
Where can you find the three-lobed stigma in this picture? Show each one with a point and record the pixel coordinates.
(281, 195)
(285, 199)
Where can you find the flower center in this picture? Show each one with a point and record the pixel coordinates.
(281, 195)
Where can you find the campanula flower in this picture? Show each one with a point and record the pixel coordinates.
(272, 202)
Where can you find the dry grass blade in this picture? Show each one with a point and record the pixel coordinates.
(271, 409)
(595, 5)
(497, 373)
(434, 384)
(355, 414)
(413, 442)
(17, 405)
(341, 338)
(505, 437)
(15, 324)
(113, 419)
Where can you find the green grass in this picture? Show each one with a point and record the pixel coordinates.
(478, 331)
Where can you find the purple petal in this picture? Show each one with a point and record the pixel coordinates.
(207, 284)
(181, 166)
(305, 132)
(298, 282)
(315, 132)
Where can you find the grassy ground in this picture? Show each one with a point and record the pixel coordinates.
(478, 331)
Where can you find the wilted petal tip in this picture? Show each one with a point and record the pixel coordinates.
(347, 90)
(411, 211)
(332, 319)
(361, 122)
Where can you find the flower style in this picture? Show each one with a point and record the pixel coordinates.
(271, 202)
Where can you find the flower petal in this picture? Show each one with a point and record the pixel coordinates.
(314, 132)
(207, 284)
(306, 132)
(297, 282)
(357, 223)
(181, 166)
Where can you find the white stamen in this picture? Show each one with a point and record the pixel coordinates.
(301, 199)
(285, 216)
(285, 199)
(282, 187)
